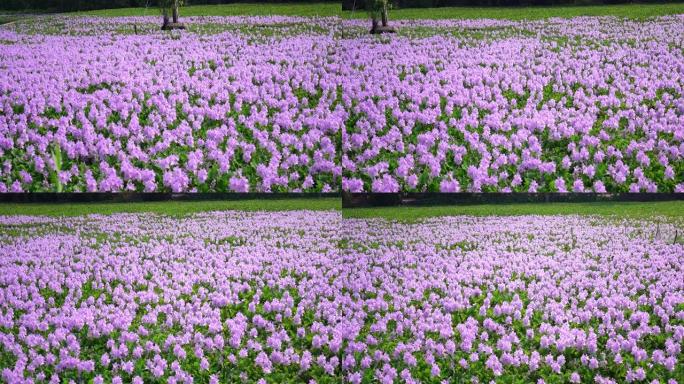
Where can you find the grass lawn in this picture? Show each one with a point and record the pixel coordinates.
(10, 16)
(169, 207)
(623, 209)
(674, 209)
(334, 9)
(251, 9)
(636, 11)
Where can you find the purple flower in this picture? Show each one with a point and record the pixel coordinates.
(239, 184)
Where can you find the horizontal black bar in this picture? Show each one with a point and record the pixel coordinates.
(349, 200)
(358, 200)
(126, 197)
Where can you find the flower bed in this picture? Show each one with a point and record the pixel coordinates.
(300, 296)
(236, 104)
(579, 105)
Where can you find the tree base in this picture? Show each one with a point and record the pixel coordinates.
(382, 29)
(172, 26)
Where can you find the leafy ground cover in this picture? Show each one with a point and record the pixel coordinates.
(304, 295)
(292, 103)
(234, 104)
(581, 104)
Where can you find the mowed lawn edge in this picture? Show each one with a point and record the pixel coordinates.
(670, 209)
(632, 11)
(172, 208)
(236, 9)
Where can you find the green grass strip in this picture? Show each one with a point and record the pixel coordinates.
(674, 209)
(247, 9)
(632, 11)
(174, 208)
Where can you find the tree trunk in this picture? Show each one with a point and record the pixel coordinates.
(383, 27)
(173, 23)
(165, 14)
(175, 12)
(384, 15)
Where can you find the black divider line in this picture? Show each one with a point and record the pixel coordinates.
(360, 200)
(349, 200)
(125, 197)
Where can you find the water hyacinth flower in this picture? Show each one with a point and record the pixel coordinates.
(276, 293)
(434, 108)
(201, 111)
(544, 112)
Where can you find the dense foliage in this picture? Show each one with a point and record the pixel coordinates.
(582, 104)
(291, 297)
(304, 104)
(236, 104)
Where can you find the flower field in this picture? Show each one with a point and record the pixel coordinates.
(303, 295)
(299, 104)
(588, 104)
(112, 104)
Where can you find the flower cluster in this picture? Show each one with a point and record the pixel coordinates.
(301, 296)
(100, 109)
(561, 105)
